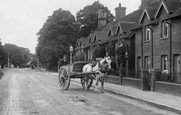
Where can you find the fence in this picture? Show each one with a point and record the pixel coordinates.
(124, 73)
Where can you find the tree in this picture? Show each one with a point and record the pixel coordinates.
(99, 52)
(57, 34)
(2, 54)
(88, 18)
(17, 55)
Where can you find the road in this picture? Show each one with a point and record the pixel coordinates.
(32, 92)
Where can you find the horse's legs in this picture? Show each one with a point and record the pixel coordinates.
(102, 84)
(96, 84)
(86, 81)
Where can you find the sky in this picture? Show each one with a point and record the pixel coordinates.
(20, 20)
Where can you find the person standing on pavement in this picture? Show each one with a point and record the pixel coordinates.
(65, 61)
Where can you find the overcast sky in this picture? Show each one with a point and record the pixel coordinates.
(20, 20)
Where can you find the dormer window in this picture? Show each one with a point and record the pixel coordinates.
(148, 34)
(165, 29)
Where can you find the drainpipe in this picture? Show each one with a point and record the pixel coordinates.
(142, 59)
(151, 46)
(170, 36)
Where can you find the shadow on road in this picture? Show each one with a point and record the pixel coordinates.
(1, 75)
(80, 90)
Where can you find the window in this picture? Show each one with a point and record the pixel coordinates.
(148, 34)
(147, 62)
(165, 29)
(164, 63)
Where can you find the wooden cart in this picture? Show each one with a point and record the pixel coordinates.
(74, 70)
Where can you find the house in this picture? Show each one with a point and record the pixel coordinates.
(158, 39)
(104, 33)
(152, 34)
(113, 32)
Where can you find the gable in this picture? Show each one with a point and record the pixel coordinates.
(161, 8)
(145, 14)
(90, 40)
(118, 30)
(94, 39)
(110, 32)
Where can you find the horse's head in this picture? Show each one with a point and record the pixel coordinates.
(105, 64)
(108, 60)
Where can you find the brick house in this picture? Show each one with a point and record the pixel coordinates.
(157, 38)
(152, 34)
(109, 32)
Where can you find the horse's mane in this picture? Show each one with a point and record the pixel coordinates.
(100, 64)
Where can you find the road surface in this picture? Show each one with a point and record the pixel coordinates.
(32, 92)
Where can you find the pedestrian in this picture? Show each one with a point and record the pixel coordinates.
(65, 61)
(113, 64)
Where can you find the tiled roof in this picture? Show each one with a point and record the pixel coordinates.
(130, 22)
(102, 37)
(132, 17)
(125, 26)
(91, 36)
(176, 14)
(155, 5)
(151, 12)
(127, 35)
(107, 26)
(173, 5)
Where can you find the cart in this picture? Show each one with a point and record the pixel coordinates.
(74, 70)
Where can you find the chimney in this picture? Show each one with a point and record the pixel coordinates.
(146, 3)
(101, 18)
(120, 12)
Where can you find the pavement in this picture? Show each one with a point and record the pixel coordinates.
(160, 100)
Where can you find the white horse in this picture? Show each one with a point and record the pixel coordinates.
(101, 66)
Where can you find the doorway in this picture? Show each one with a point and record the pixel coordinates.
(139, 67)
(176, 69)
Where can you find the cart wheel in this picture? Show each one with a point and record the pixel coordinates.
(64, 79)
(89, 80)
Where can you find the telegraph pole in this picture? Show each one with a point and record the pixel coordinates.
(8, 61)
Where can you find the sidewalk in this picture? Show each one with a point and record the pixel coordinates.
(164, 101)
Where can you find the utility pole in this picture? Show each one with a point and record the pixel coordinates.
(37, 63)
(8, 61)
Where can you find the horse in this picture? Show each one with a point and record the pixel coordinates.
(100, 66)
